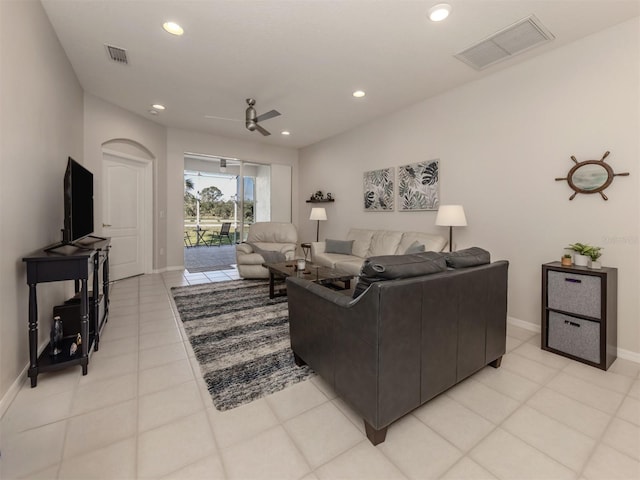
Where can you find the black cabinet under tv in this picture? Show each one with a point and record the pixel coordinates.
(90, 258)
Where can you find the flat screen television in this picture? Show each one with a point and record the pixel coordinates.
(78, 202)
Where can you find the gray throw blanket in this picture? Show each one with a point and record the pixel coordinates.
(269, 255)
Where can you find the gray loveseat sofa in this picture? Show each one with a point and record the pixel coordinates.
(403, 341)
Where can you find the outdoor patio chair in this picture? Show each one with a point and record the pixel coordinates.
(224, 232)
(187, 239)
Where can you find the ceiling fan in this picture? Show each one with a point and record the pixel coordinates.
(252, 120)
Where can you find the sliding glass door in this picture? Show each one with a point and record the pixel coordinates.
(219, 190)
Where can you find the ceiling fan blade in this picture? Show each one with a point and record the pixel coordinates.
(267, 116)
(262, 130)
(213, 117)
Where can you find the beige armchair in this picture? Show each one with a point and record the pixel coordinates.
(268, 237)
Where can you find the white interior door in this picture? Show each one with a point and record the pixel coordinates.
(126, 213)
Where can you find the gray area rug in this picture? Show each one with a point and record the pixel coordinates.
(240, 338)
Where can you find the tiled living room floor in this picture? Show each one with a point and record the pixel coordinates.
(143, 412)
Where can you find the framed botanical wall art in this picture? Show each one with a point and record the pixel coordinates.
(378, 190)
(418, 186)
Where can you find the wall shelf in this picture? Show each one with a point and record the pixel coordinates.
(322, 201)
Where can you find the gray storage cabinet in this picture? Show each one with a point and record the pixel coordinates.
(579, 313)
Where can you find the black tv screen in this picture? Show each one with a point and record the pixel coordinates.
(78, 202)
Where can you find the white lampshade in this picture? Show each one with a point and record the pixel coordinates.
(451, 216)
(318, 214)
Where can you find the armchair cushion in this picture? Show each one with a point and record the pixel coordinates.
(266, 242)
(269, 256)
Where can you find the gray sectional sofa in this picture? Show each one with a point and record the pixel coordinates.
(410, 335)
(371, 243)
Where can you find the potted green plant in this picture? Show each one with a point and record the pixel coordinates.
(584, 253)
(594, 253)
(566, 260)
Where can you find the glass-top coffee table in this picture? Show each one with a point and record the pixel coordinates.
(315, 273)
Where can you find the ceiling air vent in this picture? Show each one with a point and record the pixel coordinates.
(522, 35)
(117, 54)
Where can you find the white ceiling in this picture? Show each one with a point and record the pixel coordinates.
(301, 57)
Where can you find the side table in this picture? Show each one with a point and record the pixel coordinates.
(306, 249)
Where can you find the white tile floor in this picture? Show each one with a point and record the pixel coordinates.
(143, 411)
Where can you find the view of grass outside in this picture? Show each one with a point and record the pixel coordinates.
(207, 209)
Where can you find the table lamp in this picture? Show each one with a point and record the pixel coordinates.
(319, 214)
(451, 216)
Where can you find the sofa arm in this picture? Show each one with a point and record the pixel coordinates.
(289, 251)
(244, 248)
(336, 336)
(328, 294)
(318, 247)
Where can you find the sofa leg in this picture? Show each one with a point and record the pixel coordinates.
(496, 363)
(299, 361)
(375, 436)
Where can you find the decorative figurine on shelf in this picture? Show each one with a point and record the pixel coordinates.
(318, 195)
(73, 349)
(56, 336)
(329, 197)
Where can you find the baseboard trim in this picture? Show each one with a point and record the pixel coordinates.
(532, 327)
(629, 355)
(11, 394)
(15, 387)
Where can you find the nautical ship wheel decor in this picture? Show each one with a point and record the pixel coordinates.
(590, 176)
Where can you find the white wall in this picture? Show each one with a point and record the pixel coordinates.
(181, 141)
(40, 126)
(501, 142)
(105, 122)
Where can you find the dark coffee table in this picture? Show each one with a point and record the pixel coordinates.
(316, 273)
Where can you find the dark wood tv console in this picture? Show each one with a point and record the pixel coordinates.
(69, 262)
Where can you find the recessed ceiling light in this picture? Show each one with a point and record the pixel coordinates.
(359, 94)
(173, 28)
(157, 106)
(285, 132)
(439, 12)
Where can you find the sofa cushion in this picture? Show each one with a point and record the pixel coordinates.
(392, 267)
(384, 243)
(431, 242)
(469, 257)
(415, 247)
(343, 247)
(349, 264)
(361, 241)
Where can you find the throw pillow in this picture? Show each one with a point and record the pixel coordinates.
(269, 256)
(343, 247)
(469, 257)
(415, 247)
(391, 267)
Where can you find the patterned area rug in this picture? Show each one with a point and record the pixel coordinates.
(240, 338)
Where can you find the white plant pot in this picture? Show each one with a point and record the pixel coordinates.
(580, 260)
(595, 265)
